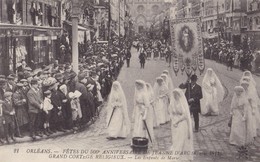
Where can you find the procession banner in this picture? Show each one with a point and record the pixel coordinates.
(187, 45)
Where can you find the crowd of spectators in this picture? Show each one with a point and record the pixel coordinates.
(240, 57)
(40, 102)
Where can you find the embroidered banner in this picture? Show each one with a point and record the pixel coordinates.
(187, 46)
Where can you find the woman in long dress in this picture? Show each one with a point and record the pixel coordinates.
(150, 112)
(141, 105)
(213, 93)
(167, 98)
(241, 130)
(161, 100)
(118, 123)
(182, 135)
(254, 116)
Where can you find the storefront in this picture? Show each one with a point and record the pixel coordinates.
(36, 45)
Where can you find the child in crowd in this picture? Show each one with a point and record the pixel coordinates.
(47, 107)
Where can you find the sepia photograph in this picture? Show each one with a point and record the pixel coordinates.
(129, 80)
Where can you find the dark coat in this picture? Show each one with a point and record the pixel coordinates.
(20, 108)
(34, 101)
(56, 113)
(7, 108)
(195, 93)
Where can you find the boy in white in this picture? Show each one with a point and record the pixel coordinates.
(47, 107)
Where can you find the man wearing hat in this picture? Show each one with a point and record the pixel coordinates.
(194, 95)
(9, 115)
(10, 83)
(35, 104)
(87, 105)
(57, 120)
(20, 105)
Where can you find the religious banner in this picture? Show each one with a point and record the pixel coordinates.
(187, 46)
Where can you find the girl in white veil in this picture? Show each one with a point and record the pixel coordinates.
(141, 105)
(170, 83)
(253, 111)
(248, 74)
(213, 93)
(181, 126)
(241, 127)
(118, 122)
(161, 99)
(167, 97)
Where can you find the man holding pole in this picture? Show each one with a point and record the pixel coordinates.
(194, 95)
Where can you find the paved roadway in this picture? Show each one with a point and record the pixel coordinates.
(210, 143)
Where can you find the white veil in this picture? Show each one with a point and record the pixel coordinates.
(114, 93)
(186, 110)
(142, 91)
(165, 79)
(206, 84)
(170, 82)
(248, 74)
(238, 101)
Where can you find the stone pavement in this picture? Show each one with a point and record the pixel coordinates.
(210, 143)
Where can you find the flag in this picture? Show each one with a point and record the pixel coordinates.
(187, 45)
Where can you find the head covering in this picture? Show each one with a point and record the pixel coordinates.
(72, 75)
(59, 76)
(63, 88)
(34, 81)
(2, 77)
(211, 80)
(169, 80)
(23, 80)
(178, 99)
(117, 93)
(19, 84)
(10, 77)
(47, 92)
(194, 77)
(248, 74)
(239, 98)
(142, 90)
(81, 76)
(7, 94)
(2, 82)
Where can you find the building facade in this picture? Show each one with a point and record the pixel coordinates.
(29, 31)
(145, 13)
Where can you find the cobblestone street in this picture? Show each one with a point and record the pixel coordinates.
(210, 143)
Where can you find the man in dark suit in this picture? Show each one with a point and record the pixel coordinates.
(128, 57)
(35, 104)
(193, 94)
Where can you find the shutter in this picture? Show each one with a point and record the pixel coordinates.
(4, 11)
(24, 16)
(29, 18)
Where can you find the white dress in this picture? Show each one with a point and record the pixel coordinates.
(181, 140)
(161, 105)
(213, 93)
(241, 128)
(117, 116)
(140, 108)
